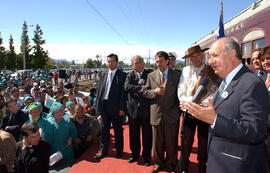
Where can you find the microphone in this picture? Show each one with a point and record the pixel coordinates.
(204, 81)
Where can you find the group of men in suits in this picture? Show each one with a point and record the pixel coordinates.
(235, 115)
(152, 95)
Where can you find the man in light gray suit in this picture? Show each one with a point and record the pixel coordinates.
(239, 115)
(161, 89)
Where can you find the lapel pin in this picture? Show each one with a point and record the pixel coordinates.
(224, 95)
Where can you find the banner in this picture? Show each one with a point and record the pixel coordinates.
(48, 101)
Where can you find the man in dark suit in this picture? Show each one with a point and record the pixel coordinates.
(239, 115)
(13, 121)
(110, 104)
(265, 61)
(161, 88)
(138, 112)
(257, 65)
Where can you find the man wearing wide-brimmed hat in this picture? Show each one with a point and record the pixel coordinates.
(188, 80)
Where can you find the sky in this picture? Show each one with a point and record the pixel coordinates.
(81, 29)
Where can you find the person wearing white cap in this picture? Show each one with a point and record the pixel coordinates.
(35, 85)
(172, 58)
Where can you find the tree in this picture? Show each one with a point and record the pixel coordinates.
(26, 41)
(49, 64)
(11, 55)
(72, 62)
(40, 56)
(97, 64)
(19, 61)
(179, 66)
(97, 61)
(2, 54)
(89, 63)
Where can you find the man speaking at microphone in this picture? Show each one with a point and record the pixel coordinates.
(188, 81)
(238, 116)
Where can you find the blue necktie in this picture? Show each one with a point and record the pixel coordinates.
(220, 90)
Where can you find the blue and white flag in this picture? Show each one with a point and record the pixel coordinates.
(221, 27)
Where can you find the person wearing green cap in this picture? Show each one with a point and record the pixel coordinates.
(60, 132)
(27, 101)
(35, 116)
(41, 110)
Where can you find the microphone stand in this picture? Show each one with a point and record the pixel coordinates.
(182, 138)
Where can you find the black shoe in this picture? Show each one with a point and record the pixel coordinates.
(147, 164)
(119, 155)
(100, 155)
(132, 159)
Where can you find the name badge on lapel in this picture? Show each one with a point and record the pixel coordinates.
(224, 95)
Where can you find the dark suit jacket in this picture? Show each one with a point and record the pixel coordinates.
(32, 159)
(15, 122)
(166, 106)
(116, 93)
(134, 101)
(236, 143)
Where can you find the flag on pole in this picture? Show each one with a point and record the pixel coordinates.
(221, 27)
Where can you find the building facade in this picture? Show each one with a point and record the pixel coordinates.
(250, 28)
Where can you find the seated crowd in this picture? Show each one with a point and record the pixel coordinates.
(67, 126)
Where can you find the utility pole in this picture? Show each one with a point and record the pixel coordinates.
(24, 61)
(24, 65)
(149, 56)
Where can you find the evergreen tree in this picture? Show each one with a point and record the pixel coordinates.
(19, 61)
(49, 64)
(89, 63)
(11, 60)
(97, 64)
(26, 41)
(40, 57)
(2, 54)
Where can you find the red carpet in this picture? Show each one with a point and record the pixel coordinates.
(110, 164)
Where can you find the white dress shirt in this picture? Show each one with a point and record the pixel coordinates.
(228, 80)
(109, 83)
(139, 74)
(187, 82)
